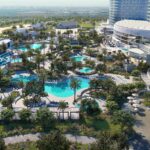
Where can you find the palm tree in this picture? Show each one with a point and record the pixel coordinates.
(62, 106)
(42, 74)
(23, 56)
(89, 52)
(30, 53)
(75, 84)
(38, 60)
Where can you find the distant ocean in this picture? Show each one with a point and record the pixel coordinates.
(53, 11)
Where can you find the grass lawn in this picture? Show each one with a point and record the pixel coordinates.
(22, 146)
(32, 146)
(86, 25)
(90, 126)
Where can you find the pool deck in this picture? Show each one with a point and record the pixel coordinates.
(50, 97)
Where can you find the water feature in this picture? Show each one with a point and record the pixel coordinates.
(86, 70)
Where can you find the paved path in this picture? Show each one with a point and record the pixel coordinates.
(146, 80)
(35, 137)
(141, 141)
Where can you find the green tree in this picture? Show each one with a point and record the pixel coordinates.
(112, 106)
(90, 107)
(8, 101)
(123, 118)
(135, 73)
(89, 52)
(7, 115)
(23, 56)
(95, 84)
(75, 84)
(107, 141)
(147, 99)
(53, 141)
(62, 106)
(4, 80)
(2, 144)
(25, 114)
(45, 118)
(101, 68)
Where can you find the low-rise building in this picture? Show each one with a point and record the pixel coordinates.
(38, 26)
(65, 26)
(7, 42)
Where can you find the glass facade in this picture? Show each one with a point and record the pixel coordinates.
(129, 9)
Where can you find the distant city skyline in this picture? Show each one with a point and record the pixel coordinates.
(67, 3)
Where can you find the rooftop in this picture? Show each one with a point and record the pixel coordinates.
(67, 25)
(136, 50)
(134, 24)
(5, 41)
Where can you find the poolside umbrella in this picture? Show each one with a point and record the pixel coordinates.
(135, 95)
(130, 98)
(136, 105)
(15, 54)
(135, 109)
(136, 101)
(130, 101)
(25, 74)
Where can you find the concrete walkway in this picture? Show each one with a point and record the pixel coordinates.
(35, 137)
(141, 140)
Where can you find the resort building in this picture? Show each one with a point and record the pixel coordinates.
(131, 32)
(7, 42)
(38, 26)
(22, 31)
(65, 26)
(129, 9)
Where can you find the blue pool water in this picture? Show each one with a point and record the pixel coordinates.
(62, 89)
(5, 58)
(36, 46)
(125, 49)
(79, 58)
(24, 49)
(22, 78)
(86, 70)
(32, 46)
(16, 60)
(77, 105)
(59, 89)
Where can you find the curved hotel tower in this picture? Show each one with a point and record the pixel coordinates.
(129, 9)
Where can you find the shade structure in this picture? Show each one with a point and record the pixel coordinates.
(130, 98)
(135, 95)
(136, 109)
(25, 74)
(130, 101)
(136, 101)
(136, 105)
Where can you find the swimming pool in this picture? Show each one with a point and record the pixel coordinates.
(23, 78)
(32, 46)
(86, 70)
(59, 89)
(16, 60)
(36, 46)
(5, 58)
(62, 88)
(22, 48)
(79, 58)
(125, 49)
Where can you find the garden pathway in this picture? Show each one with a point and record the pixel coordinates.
(35, 137)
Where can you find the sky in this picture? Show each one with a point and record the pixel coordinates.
(67, 3)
